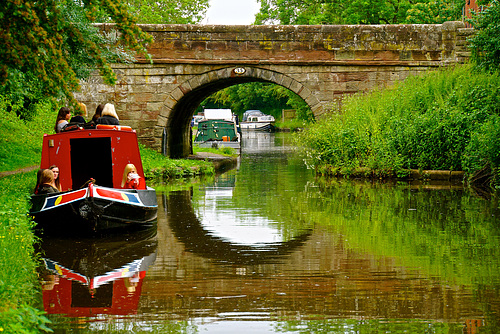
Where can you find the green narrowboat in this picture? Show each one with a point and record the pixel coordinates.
(217, 133)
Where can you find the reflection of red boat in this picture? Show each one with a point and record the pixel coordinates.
(85, 157)
(92, 283)
(84, 277)
(73, 300)
(65, 295)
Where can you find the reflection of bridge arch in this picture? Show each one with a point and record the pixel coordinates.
(182, 102)
(187, 228)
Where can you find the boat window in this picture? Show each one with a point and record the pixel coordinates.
(91, 158)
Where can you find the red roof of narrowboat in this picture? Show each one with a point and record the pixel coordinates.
(101, 154)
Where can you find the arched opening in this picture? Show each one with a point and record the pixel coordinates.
(178, 126)
(177, 141)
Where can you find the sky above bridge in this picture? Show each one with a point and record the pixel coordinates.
(231, 12)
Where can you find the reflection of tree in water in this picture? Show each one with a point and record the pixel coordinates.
(187, 228)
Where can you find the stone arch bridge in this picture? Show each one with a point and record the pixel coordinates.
(319, 63)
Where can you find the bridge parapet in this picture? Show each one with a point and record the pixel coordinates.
(411, 45)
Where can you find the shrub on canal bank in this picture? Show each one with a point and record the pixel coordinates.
(444, 120)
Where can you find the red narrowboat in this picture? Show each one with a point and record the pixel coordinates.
(91, 164)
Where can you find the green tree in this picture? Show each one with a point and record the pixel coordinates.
(485, 44)
(434, 12)
(357, 11)
(269, 98)
(46, 46)
(168, 11)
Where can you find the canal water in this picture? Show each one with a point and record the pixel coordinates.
(268, 248)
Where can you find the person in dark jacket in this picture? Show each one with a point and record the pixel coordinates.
(47, 185)
(80, 114)
(109, 115)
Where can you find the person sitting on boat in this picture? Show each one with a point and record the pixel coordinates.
(57, 182)
(47, 185)
(97, 114)
(108, 115)
(63, 117)
(132, 180)
(80, 112)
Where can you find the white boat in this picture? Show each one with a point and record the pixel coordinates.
(256, 120)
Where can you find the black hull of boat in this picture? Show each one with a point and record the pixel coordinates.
(95, 216)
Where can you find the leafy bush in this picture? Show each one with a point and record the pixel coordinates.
(485, 44)
(484, 149)
(271, 99)
(426, 122)
(24, 319)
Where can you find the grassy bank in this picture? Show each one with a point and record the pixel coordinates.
(20, 147)
(448, 119)
(19, 287)
(292, 125)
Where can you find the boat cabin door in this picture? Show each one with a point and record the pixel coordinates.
(91, 158)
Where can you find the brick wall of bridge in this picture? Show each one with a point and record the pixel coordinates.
(319, 63)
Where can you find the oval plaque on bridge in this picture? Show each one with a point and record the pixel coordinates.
(239, 70)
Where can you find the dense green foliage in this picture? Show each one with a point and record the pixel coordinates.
(168, 11)
(49, 45)
(292, 125)
(434, 12)
(434, 121)
(18, 277)
(485, 44)
(269, 98)
(357, 11)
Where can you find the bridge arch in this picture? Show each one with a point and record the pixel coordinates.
(175, 117)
